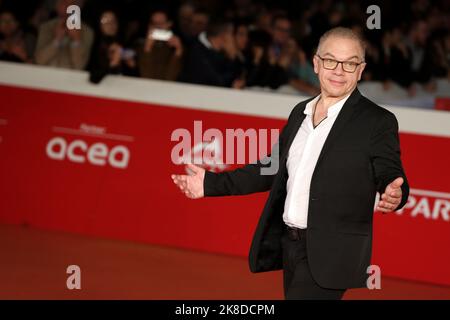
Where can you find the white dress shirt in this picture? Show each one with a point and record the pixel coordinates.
(301, 161)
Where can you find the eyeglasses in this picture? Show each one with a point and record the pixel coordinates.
(331, 64)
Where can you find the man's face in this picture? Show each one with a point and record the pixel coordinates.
(159, 20)
(108, 24)
(338, 83)
(62, 5)
(241, 37)
(225, 37)
(281, 31)
(185, 14)
(8, 24)
(421, 33)
(199, 23)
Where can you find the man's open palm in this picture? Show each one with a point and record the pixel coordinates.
(391, 197)
(191, 185)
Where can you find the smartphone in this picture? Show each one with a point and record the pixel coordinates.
(127, 54)
(161, 35)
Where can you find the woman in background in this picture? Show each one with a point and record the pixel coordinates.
(109, 55)
(15, 44)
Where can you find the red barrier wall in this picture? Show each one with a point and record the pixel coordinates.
(59, 172)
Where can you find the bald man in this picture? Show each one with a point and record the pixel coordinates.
(336, 152)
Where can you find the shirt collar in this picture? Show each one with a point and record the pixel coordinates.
(204, 40)
(310, 105)
(332, 110)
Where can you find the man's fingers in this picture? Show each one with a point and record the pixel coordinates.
(179, 177)
(396, 193)
(180, 181)
(383, 209)
(386, 198)
(180, 184)
(397, 183)
(393, 190)
(388, 205)
(190, 194)
(391, 199)
(188, 184)
(385, 205)
(181, 187)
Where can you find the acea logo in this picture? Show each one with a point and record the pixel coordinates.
(68, 145)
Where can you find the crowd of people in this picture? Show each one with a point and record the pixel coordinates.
(238, 44)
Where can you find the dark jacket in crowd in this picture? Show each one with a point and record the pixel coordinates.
(209, 67)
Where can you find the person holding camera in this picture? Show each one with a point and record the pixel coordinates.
(109, 56)
(16, 44)
(160, 54)
(61, 47)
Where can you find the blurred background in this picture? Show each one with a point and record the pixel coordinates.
(86, 137)
(265, 45)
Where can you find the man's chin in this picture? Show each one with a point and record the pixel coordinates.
(335, 93)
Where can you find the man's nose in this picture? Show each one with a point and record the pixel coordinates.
(339, 70)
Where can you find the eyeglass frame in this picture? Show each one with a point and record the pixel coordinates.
(340, 62)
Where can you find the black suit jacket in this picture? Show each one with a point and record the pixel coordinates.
(207, 66)
(361, 156)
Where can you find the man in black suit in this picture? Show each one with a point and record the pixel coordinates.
(336, 152)
(212, 58)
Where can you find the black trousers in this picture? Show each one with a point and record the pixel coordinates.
(297, 278)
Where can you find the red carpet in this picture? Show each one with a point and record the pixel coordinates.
(33, 266)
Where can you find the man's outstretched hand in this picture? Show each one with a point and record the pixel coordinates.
(191, 185)
(391, 197)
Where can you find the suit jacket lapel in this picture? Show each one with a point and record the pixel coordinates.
(339, 124)
(298, 120)
(343, 117)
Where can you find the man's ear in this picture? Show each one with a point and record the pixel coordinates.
(316, 64)
(361, 69)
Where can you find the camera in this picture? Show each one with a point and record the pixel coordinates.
(127, 54)
(161, 34)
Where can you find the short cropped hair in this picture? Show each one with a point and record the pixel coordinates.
(218, 26)
(346, 33)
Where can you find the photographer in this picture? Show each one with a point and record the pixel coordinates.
(58, 46)
(109, 56)
(15, 44)
(160, 54)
